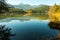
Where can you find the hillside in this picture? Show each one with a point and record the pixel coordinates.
(41, 8)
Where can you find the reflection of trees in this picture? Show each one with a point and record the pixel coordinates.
(56, 26)
(5, 33)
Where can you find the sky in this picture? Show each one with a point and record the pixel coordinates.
(33, 2)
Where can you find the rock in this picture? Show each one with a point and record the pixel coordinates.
(54, 25)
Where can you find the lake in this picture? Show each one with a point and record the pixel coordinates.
(32, 29)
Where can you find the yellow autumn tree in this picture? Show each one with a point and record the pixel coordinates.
(54, 13)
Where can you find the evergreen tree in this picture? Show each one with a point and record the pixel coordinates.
(5, 33)
(3, 7)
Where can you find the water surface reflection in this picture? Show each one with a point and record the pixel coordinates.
(31, 30)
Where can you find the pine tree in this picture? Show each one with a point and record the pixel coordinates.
(5, 33)
(3, 7)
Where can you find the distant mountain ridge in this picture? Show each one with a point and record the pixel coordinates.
(24, 6)
(27, 6)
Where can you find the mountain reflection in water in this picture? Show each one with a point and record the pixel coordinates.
(31, 30)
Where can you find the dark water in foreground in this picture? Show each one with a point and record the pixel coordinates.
(31, 30)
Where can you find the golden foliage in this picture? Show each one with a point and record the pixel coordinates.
(54, 13)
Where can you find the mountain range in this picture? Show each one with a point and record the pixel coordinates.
(24, 6)
(27, 6)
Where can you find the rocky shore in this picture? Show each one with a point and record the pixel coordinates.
(55, 25)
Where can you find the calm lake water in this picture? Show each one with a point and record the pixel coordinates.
(30, 29)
